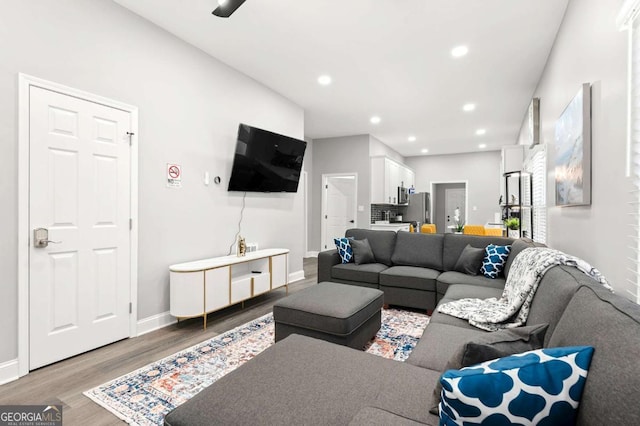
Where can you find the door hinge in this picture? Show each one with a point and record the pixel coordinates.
(130, 224)
(130, 307)
(326, 187)
(326, 217)
(130, 134)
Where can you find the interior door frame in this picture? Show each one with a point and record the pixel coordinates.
(323, 207)
(433, 183)
(24, 83)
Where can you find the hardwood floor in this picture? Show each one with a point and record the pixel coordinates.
(64, 382)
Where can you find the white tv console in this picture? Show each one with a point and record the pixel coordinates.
(203, 286)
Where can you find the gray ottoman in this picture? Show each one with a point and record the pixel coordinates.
(348, 315)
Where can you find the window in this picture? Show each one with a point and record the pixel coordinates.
(537, 167)
(628, 20)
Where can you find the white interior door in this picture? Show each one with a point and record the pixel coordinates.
(339, 207)
(80, 190)
(454, 199)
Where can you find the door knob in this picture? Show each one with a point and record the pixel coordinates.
(41, 238)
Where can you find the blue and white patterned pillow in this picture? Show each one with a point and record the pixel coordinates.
(541, 387)
(494, 260)
(344, 249)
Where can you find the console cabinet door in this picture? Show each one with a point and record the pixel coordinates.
(217, 288)
(279, 273)
(186, 293)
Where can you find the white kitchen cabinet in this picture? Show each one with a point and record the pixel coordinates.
(203, 286)
(386, 176)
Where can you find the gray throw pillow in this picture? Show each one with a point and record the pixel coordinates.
(497, 344)
(362, 252)
(470, 260)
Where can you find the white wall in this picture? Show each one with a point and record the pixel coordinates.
(589, 48)
(190, 107)
(349, 154)
(481, 170)
(378, 148)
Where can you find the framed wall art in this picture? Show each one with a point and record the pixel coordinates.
(573, 151)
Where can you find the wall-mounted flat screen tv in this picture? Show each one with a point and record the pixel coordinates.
(265, 161)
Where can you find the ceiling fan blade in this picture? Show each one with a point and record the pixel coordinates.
(225, 10)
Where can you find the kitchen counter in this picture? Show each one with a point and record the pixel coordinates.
(393, 226)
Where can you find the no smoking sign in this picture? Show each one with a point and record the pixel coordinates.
(174, 175)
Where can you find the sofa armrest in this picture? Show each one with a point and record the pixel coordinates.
(326, 260)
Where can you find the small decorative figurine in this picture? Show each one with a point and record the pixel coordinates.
(242, 247)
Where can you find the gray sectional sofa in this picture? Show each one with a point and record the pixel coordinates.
(412, 269)
(301, 380)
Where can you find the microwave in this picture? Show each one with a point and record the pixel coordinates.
(403, 195)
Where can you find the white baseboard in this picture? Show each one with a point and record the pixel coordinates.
(311, 254)
(296, 276)
(155, 322)
(9, 371)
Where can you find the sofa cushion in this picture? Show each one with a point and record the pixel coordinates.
(416, 249)
(366, 273)
(301, 380)
(556, 288)
(372, 416)
(470, 260)
(494, 260)
(463, 291)
(454, 244)
(516, 247)
(345, 251)
(362, 252)
(489, 346)
(382, 242)
(440, 318)
(438, 343)
(409, 277)
(450, 278)
(610, 323)
(543, 386)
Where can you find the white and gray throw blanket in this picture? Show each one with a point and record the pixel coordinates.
(512, 309)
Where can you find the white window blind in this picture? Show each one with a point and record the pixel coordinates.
(539, 198)
(537, 167)
(633, 281)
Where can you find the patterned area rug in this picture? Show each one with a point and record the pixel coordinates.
(144, 396)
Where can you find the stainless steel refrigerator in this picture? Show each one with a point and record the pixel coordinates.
(419, 208)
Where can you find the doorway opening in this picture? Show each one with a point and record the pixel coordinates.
(339, 206)
(446, 198)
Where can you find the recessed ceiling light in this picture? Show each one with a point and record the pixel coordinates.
(424, 151)
(324, 80)
(411, 138)
(482, 146)
(459, 51)
(375, 119)
(481, 132)
(468, 107)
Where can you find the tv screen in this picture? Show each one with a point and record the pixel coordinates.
(265, 161)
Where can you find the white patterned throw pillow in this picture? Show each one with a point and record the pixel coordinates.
(541, 387)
